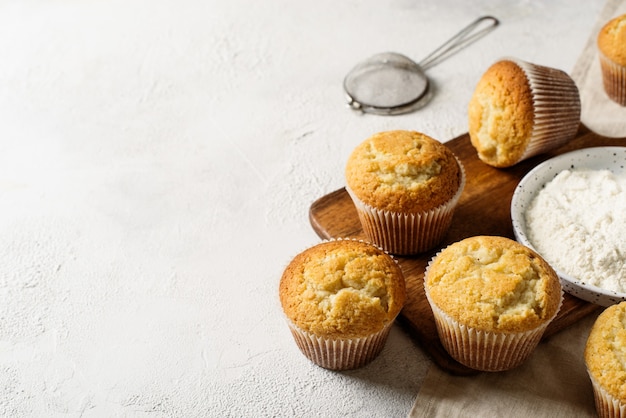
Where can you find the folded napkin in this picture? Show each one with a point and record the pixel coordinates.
(599, 113)
(552, 383)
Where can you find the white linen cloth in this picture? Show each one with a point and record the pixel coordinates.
(552, 383)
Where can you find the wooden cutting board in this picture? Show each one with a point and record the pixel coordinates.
(484, 209)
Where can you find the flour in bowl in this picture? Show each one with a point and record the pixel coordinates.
(577, 222)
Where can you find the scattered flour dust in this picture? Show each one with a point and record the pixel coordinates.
(577, 222)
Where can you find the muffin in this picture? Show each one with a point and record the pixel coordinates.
(612, 54)
(605, 352)
(519, 110)
(405, 187)
(341, 298)
(492, 299)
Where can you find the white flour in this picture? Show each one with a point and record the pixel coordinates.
(578, 224)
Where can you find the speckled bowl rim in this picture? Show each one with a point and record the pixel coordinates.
(610, 158)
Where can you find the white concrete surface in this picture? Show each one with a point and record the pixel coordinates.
(157, 163)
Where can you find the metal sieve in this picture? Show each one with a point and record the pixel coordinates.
(390, 83)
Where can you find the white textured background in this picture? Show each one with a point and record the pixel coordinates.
(157, 163)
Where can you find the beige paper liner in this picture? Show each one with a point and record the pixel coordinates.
(407, 233)
(606, 405)
(484, 350)
(613, 79)
(340, 353)
(557, 108)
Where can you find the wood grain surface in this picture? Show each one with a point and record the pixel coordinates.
(484, 209)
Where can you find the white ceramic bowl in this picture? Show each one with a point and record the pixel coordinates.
(610, 158)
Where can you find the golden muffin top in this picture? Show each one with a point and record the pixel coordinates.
(493, 284)
(342, 289)
(612, 40)
(501, 114)
(403, 171)
(605, 351)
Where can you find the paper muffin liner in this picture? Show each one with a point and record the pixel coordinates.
(484, 350)
(340, 353)
(606, 405)
(557, 108)
(613, 79)
(407, 233)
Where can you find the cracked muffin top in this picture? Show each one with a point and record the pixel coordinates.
(403, 171)
(342, 289)
(493, 284)
(501, 114)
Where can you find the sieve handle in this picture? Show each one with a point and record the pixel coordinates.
(466, 36)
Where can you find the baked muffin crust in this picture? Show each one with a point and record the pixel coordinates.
(605, 351)
(612, 38)
(501, 114)
(342, 289)
(403, 171)
(494, 284)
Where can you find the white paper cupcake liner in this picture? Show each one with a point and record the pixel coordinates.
(557, 107)
(606, 405)
(484, 350)
(407, 233)
(340, 353)
(613, 79)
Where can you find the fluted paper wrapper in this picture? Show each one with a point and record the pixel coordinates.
(484, 350)
(340, 353)
(613, 79)
(407, 233)
(557, 108)
(606, 405)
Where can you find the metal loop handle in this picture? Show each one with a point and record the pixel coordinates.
(460, 40)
